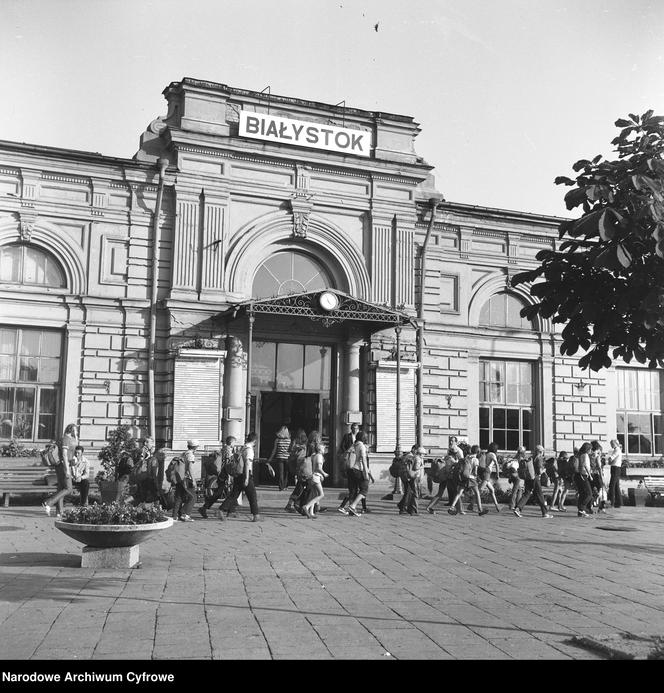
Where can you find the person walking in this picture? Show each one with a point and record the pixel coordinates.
(346, 452)
(360, 474)
(533, 485)
(221, 481)
(279, 455)
(615, 465)
(66, 455)
(244, 481)
(447, 483)
(584, 492)
(516, 475)
(317, 477)
(298, 450)
(486, 468)
(561, 483)
(467, 481)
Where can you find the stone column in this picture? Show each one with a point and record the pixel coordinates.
(352, 377)
(234, 389)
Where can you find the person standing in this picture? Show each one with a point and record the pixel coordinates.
(533, 484)
(360, 474)
(80, 474)
(410, 478)
(596, 476)
(185, 495)
(66, 455)
(146, 473)
(279, 455)
(615, 465)
(584, 492)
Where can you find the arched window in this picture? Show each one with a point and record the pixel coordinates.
(25, 264)
(289, 272)
(502, 310)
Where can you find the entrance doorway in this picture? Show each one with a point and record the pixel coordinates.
(293, 409)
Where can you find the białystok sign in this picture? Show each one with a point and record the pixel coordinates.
(303, 134)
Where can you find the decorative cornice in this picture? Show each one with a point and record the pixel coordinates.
(64, 178)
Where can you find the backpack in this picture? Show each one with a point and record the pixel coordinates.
(396, 467)
(523, 465)
(351, 458)
(465, 470)
(437, 466)
(304, 469)
(235, 464)
(170, 470)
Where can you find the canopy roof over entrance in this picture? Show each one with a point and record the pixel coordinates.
(328, 307)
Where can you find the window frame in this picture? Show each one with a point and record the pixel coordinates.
(530, 325)
(37, 386)
(492, 407)
(48, 256)
(626, 395)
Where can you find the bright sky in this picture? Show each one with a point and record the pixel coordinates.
(508, 93)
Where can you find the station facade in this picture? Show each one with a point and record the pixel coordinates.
(264, 260)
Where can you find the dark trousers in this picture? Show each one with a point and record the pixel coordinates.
(615, 494)
(408, 502)
(216, 494)
(184, 500)
(584, 493)
(249, 491)
(83, 487)
(516, 491)
(280, 467)
(533, 486)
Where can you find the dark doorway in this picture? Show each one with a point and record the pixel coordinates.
(293, 409)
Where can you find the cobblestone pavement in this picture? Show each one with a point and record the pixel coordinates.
(381, 586)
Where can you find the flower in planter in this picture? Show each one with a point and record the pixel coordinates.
(116, 513)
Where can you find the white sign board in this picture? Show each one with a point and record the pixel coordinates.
(300, 133)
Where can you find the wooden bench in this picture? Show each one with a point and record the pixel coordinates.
(18, 481)
(654, 485)
(23, 480)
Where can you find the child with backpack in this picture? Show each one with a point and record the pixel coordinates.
(442, 472)
(298, 451)
(219, 476)
(467, 481)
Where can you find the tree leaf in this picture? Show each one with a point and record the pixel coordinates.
(622, 123)
(563, 180)
(607, 229)
(623, 255)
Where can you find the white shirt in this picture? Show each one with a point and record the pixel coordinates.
(615, 456)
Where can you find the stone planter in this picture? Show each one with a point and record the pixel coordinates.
(111, 546)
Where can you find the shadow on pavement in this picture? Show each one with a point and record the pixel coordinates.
(56, 560)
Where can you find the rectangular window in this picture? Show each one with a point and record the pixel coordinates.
(449, 293)
(639, 419)
(30, 364)
(286, 366)
(506, 403)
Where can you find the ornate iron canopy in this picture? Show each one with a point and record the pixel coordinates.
(310, 305)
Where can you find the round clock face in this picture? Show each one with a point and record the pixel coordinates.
(328, 301)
